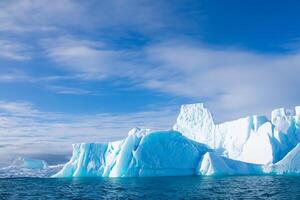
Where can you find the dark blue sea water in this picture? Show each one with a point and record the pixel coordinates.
(230, 187)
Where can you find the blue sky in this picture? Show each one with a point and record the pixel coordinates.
(82, 71)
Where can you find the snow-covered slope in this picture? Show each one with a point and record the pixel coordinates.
(142, 153)
(252, 139)
(27, 167)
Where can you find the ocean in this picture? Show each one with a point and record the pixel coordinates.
(192, 187)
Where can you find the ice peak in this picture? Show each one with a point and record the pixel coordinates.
(194, 114)
(281, 113)
(194, 121)
(278, 112)
(297, 110)
(192, 106)
(139, 132)
(197, 110)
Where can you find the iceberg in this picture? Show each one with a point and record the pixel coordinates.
(142, 153)
(253, 139)
(28, 167)
(29, 163)
(196, 145)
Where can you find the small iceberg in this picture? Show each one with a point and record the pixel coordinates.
(28, 167)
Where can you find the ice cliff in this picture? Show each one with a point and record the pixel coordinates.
(253, 139)
(142, 153)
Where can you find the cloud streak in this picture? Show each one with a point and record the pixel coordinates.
(68, 90)
(13, 50)
(25, 130)
(34, 15)
(31, 16)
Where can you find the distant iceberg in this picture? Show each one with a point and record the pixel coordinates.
(29, 163)
(196, 146)
(28, 167)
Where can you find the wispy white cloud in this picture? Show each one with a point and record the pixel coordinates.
(27, 16)
(81, 56)
(233, 81)
(93, 60)
(68, 90)
(37, 15)
(13, 50)
(17, 108)
(13, 77)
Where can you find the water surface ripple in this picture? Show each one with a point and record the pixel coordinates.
(230, 187)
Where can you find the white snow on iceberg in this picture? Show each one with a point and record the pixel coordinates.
(213, 164)
(252, 139)
(290, 164)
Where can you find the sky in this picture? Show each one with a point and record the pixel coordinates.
(89, 71)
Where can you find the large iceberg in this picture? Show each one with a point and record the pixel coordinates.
(142, 153)
(196, 146)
